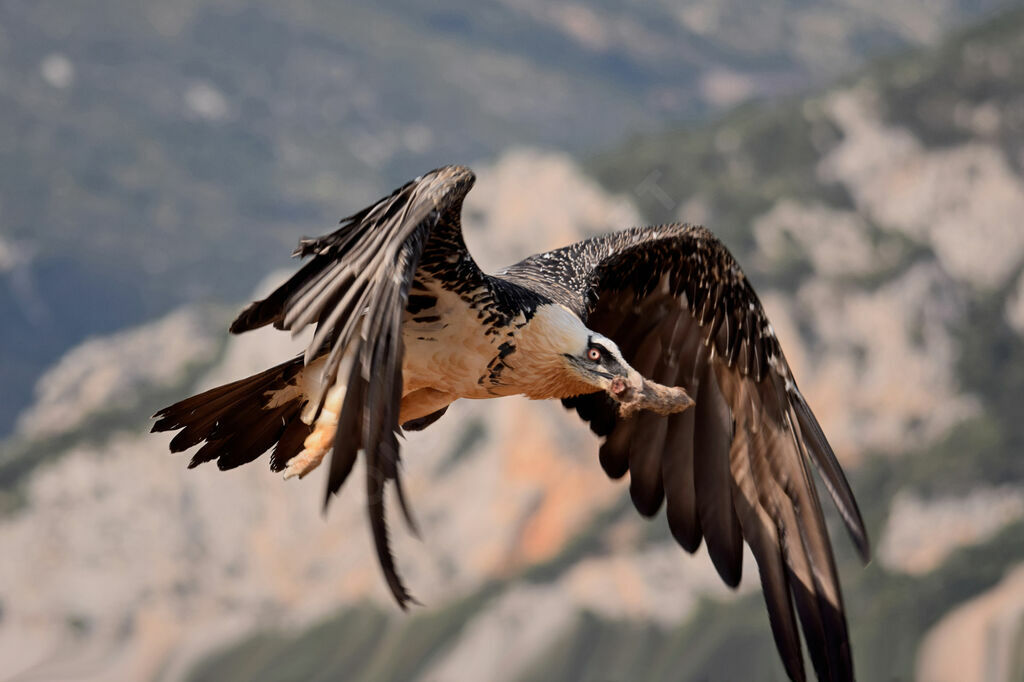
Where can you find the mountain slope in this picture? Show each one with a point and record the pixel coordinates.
(161, 153)
(902, 326)
(850, 214)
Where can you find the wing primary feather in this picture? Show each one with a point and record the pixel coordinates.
(348, 437)
(378, 525)
(271, 309)
(597, 409)
(677, 461)
(614, 452)
(326, 328)
(381, 454)
(789, 495)
(410, 518)
(320, 304)
(713, 433)
(760, 532)
(397, 352)
(302, 301)
(645, 449)
(646, 487)
(823, 569)
(678, 476)
(798, 567)
(831, 473)
(748, 453)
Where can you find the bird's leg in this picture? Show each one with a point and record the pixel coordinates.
(321, 439)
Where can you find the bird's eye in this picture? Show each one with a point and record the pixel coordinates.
(594, 354)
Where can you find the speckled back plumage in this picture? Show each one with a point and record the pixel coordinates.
(566, 275)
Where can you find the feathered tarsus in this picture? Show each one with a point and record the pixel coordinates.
(653, 335)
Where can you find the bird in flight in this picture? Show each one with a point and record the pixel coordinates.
(653, 335)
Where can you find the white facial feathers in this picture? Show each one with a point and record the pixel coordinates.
(556, 330)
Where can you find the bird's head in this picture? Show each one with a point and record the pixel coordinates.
(598, 363)
(572, 359)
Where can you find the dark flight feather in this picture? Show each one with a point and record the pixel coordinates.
(356, 289)
(736, 466)
(232, 420)
(713, 435)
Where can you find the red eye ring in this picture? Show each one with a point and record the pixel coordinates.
(594, 354)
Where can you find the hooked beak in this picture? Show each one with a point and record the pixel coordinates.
(633, 392)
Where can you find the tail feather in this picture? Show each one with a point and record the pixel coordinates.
(259, 432)
(241, 420)
(182, 413)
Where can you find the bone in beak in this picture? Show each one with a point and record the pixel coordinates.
(638, 393)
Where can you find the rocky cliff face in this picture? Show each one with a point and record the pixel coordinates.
(881, 234)
(157, 154)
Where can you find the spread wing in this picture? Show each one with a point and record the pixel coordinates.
(355, 288)
(737, 466)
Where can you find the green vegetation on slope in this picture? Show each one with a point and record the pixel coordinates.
(360, 644)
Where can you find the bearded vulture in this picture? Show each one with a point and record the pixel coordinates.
(653, 335)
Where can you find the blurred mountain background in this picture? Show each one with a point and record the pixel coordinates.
(863, 160)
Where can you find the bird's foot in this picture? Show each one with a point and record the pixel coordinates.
(320, 441)
(304, 462)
